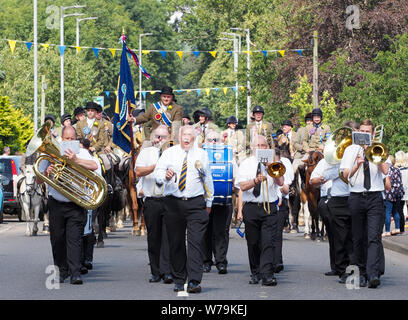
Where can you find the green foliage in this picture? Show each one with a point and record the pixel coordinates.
(382, 95)
(15, 128)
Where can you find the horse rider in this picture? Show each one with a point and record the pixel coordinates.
(92, 129)
(79, 114)
(186, 119)
(188, 187)
(235, 138)
(216, 239)
(67, 219)
(101, 116)
(284, 141)
(316, 133)
(298, 146)
(165, 112)
(154, 210)
(260, 225)
(205, 124)
(259, 127)
(366, 205)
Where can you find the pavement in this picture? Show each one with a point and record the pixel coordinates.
(397, 243)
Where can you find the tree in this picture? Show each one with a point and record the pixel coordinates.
(15, 128)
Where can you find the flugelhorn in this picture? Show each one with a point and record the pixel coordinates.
(83, 187)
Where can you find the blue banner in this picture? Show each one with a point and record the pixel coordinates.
(125, 96)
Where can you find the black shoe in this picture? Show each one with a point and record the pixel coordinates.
(155, 279)
(83, 270)
(343, 278)
(269, 281)
(374, 283)
(206, 268)
(168, 278)
(363, 281)
(178, 287)
(222, 269)
(62, 277)
(278, 268)
(254, 279)
(76, 280)
(193, 287)
(331, 273)
(88, 265)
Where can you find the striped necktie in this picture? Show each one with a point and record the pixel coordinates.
(183, 175)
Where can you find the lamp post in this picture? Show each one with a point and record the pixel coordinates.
(237, 50)
(78, 20)
(248, 71)
(140, 71)
(62, 16)
(35, 68)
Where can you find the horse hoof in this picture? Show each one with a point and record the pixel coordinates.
(100, 244)
(306, 236)
(325, 238)
(120, 225)
(136, 233)
(143, 232)
(108, 230)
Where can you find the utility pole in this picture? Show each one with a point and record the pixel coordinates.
(35, 68)
(315, 71)
(43, 88)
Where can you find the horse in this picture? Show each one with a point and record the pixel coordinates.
(312, 194)
(30, 197)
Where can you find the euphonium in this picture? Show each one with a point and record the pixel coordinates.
(337, 143)
(83, 187)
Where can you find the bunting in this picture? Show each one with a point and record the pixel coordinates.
(12, 44)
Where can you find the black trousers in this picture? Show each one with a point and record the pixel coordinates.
(401, 214)
(88, 242)
(157, 240)
(182, 215)
(368, 217)
(340, 228)
(67, 221)
(216, 239)
(260, 233)
(327, 220)
(282, 215)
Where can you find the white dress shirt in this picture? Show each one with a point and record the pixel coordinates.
(147, 157)
(247, 171)
(348, 161)
(83, 154)
(289, 174)
(330, 173)
(173, 158)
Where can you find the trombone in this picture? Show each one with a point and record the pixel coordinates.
(274, 170)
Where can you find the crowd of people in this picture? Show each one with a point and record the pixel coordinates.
(188, 227)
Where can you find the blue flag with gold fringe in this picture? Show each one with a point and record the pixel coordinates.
(124, 97)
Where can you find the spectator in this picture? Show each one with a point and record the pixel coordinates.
(6, 151)
(401, 162)
(392, 199)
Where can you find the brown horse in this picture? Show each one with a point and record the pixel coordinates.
(312, 193)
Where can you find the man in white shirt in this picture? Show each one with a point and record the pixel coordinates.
(154, 211)
(367, 209)
(67, 219)
(283, 212)
(333, 207)
(260, 226)
(185, 173)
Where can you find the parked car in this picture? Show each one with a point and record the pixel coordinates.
(1, 196)
(10, 170)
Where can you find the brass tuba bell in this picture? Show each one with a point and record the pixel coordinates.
(83, 187)
(337, 143)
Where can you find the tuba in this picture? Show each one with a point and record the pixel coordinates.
(83, 187)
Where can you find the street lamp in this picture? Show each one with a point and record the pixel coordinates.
(237, 50)
(35, 68)
(78, 20)
(248, 71)
(140, 62)
(62, 16)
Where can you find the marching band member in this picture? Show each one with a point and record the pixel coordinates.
(185, 173)
(67, 219)
(260, 227)
(216, 239)
(283, 212)
(366, 205)
(154, 210)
